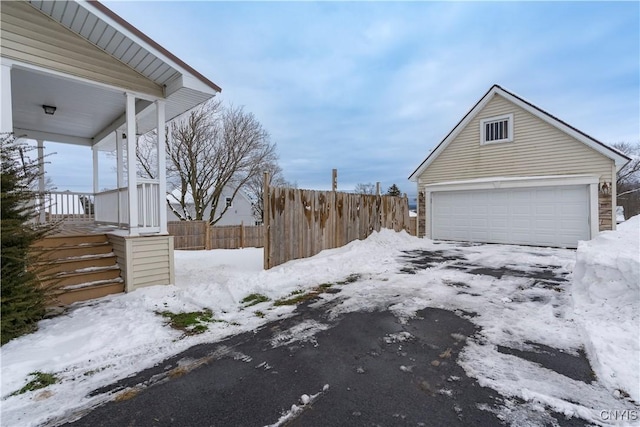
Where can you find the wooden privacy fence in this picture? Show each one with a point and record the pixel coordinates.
(301, 223)
(200, 235)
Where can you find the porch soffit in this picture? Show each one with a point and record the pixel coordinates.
(87, 112)
(103, 28)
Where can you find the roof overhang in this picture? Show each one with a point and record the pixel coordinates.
(619, 158)
(89, 111)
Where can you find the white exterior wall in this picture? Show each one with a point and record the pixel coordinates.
(240, 211)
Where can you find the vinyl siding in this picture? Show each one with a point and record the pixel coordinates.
(144, 261)
(151, 261)
(537, 149)
(120, 251)
(27, 35)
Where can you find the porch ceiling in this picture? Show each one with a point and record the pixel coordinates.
(87, 112)
(82, 110)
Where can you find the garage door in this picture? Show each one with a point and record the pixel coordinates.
(545, 216)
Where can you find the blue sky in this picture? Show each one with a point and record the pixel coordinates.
(370, 87)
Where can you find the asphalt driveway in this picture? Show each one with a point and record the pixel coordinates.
(356, 369)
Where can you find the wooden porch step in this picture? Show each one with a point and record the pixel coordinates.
(77, 263)
(63, 241)
(80, 250)
(95, 290)
(78, 267)
(90, 274)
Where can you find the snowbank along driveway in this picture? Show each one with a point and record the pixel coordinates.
(403, 331)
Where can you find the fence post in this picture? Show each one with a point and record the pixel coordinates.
(266, 219)
(207, 235)
(377, 188)
(334, 180)
(241, 234)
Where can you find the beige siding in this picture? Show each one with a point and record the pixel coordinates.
(144, 261)
(29, 36)
(537, 149)
(151, 261)
(120, 251)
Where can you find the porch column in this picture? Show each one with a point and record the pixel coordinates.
(162, 167)
(132, 181)
(96, 183)
(119, 172)
(41, 188)
(6, 115)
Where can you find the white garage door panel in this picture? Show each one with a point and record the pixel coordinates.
(550, 216)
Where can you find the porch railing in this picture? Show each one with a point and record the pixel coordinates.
(112, 206)
(66, 206)
(107, 207)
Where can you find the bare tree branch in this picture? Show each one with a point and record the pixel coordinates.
(365, 188)
(628, 179)
(212, 148)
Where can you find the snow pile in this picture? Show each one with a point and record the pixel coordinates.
(606, 299)
(99, 342)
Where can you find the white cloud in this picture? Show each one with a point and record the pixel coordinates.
(371, 87)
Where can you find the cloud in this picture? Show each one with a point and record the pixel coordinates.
(369, 88)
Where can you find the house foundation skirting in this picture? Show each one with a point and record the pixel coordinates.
(144, 260)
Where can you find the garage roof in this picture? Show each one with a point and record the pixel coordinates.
(619, 158)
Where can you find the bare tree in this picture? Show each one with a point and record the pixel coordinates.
(255, 187)
(367, 188)
(146, 156)
(628, 179)
(213, 147)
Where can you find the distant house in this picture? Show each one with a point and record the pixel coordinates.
(509, 172)
(240, 209)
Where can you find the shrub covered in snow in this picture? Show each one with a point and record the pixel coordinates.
(606, 300)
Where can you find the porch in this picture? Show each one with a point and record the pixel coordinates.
(84, 260)
(105, 210)
(76, 73)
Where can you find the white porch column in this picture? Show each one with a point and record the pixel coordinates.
(132, 182)
(96, 181)
(6, 115)
(162, 166)
(96, 175)
(41, 188)
(119, 172)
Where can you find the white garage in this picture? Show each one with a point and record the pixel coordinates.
(545, 211)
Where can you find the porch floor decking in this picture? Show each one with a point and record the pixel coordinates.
(83, 228)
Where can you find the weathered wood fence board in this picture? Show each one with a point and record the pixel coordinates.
(188, 234)
(301, 223)
(199, 235)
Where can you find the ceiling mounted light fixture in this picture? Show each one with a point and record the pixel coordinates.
(49, 109)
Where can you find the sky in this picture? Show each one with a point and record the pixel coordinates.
(369, 88)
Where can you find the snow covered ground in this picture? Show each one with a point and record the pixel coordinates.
(99, 342)
(606, 299)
